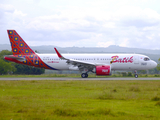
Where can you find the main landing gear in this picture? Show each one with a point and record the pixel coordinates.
(84, 75)
(136, 75)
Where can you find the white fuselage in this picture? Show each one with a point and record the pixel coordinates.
(121, 61)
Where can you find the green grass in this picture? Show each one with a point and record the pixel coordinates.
(92, 100)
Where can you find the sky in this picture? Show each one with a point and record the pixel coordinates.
(83, 23)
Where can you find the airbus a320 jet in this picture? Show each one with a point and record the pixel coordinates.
(100, 64)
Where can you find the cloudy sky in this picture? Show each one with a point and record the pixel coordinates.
(83, 23)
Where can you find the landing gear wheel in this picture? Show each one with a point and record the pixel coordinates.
(136, 76)
(84, 75)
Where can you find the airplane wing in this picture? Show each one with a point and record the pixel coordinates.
(81, 64)
(72, 60)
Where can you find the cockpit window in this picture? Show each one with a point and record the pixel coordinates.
(146, 59)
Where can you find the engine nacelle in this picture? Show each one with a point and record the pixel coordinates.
(103, 70)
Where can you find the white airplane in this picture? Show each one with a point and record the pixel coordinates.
(101, 64)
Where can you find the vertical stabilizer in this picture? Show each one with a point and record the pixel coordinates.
(22, 53)
(19, 46)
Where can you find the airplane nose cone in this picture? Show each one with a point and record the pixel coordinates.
(154, 64)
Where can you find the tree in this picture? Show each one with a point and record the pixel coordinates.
(158, 66)
(6, 67)
(142, 71)
(4, 52)
(24, 69)
(154, 71)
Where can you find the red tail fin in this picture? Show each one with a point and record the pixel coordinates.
(22, 53)
(19, 47)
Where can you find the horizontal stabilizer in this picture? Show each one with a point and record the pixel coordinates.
(21, 59)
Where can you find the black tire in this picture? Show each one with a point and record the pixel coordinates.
(136, 76)
(86, 75)
(83, 75)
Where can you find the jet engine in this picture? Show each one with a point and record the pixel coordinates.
(103, 70)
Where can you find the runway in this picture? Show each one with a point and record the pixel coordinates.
(65, 78)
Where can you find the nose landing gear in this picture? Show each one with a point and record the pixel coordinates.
(136, 75)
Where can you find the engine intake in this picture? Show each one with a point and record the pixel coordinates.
(103, 70)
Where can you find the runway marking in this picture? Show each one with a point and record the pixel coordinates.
(65, 78)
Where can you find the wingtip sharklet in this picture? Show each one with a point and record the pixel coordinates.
(59, 55)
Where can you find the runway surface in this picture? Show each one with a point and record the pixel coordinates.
(65, 78)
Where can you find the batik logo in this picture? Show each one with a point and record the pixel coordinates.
(122, 60)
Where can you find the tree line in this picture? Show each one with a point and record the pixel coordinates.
(7, 67)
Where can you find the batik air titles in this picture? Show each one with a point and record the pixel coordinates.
(100, 64)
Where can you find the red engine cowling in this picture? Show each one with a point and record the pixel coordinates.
(103, 70)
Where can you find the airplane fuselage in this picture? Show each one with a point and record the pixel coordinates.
(121, 62)
(101, 64)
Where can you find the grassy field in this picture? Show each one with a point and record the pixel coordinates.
(79, 100)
